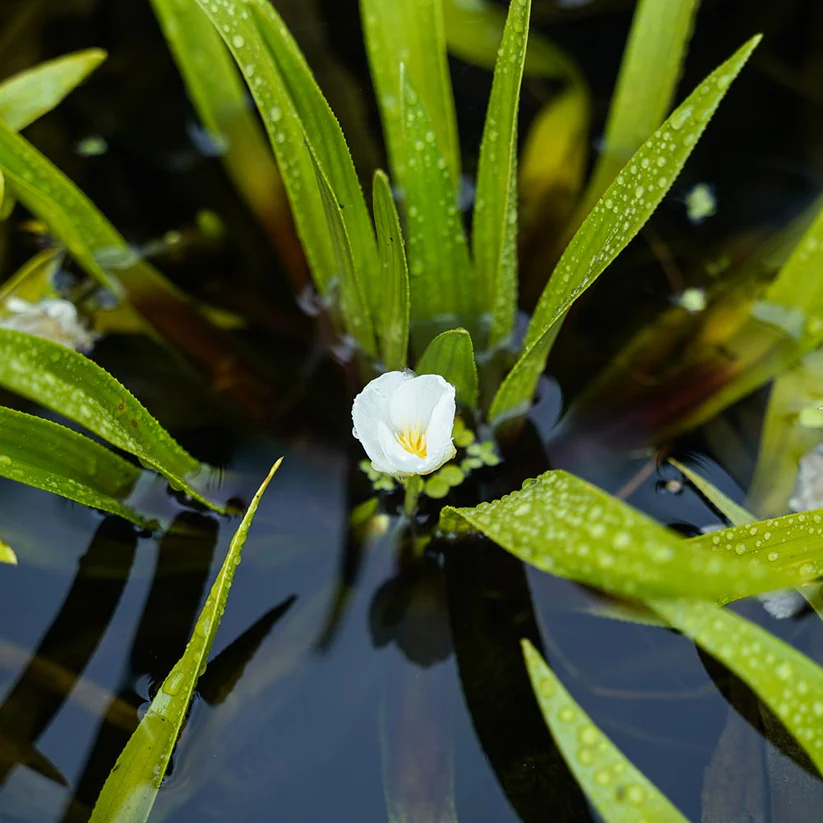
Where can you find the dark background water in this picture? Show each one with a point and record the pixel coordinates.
(339, 670)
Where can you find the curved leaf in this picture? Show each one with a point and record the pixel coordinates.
(615, 220)
(619, 791)
(7, 554)
(77, 388)
(733, 512)
(451, 355)
(51, 457)
(131, 788)
(561, 524)
(33, 280)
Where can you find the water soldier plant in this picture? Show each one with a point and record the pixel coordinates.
(402, 283)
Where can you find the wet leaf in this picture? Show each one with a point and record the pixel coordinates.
(29, 95)
(619, 791)
(734, 513)
(7, 554)
(51, 457)
(441, 275)
(561, 524)
(352, 298)
(451, 355)
(649, 71)
(411, 32)
(788, 682)
(392, 321)
(615, 220)
(131, 788)
(77, 388)
(494, 225)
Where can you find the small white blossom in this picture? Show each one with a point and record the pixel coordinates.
(53, 319)
(405, 422)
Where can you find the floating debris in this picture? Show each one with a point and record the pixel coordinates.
(808, 488)
(53, 319)
(700, 203)
(692, 300)
(92, 146)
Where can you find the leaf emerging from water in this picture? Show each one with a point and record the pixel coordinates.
(451, 355)
(734, 513)
(615, 220)
(131, 788)
(51, 457)
(77, 388)
(788, 682)
(619, 791)
(494, 227)
(7, 554)
(563, 525)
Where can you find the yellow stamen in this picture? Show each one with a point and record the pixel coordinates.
(412, 440)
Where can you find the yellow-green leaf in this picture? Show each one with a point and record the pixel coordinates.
(51, 457)
(560, 524)
(131, 788)
(30, 94)
(411, 32)
(734, 513)
(77, 388)
(7, 554)
(33, 280)
(451, 355)
(615, 220)
(494, 226)
(392, 321)
(619, 791)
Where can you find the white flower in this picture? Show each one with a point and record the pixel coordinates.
(405, 422)
(52, 318)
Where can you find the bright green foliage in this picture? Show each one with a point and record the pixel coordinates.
(379, 480)
(441, 274)
(789, 683)
(735, 514)
(74, 386)
(614, 786)
(560, 524)
(451, 355)
(615, 220)
(33, 280)
(29, 95)
(47, 456)
(439, 484)
(494, 227)
(411, 33)
(131, 788)
(352, 299)
(392, 320)
(648, 77)
(7, 554)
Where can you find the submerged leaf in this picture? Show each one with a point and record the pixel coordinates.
(131, 788)
(29, 95)
(615, 220)
(451, 355)
(494, 226)
(619, 791)
(561, 524)
(392, 321)
(51, 457)
(72, 385)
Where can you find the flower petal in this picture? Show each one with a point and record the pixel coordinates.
(414, 401)
(439, 445)
(401, 462)
(370, 408)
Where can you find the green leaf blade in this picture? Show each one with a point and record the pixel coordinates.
(614, 221)
(7, 554)
(392, 321)
(131, 788)
(734, 513)
(451, 355)
(620, 792)
(494, 233)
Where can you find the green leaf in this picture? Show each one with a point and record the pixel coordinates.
(51, 457)
(619, 791)
(735, 514)
(77, 388)
(131, 788)
(560, 524)
(649, 71)
(30, 94)
(411, 32)
(33, 280)
(352, 299)
(615, 220)
(392, 320)
(442, 281)
(451, 355)
(494, 226)
(789, 683)
(7, 554)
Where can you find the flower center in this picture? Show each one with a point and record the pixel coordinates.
(412, 439)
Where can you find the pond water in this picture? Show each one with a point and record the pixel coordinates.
(349, 680)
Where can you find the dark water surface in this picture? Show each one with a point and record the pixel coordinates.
(343, 675)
